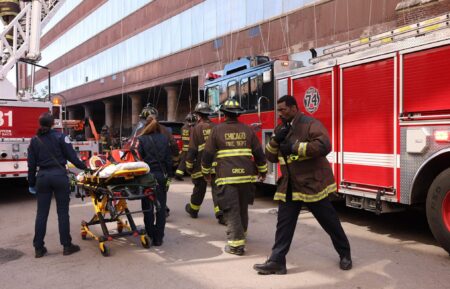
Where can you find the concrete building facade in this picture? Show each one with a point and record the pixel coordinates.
(109, 58)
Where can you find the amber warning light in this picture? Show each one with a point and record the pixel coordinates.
(442, 136)
(56, 100)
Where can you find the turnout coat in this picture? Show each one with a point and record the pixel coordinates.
(306, 168)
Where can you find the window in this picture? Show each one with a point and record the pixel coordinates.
(213, 94)
(245, 97)
(254, 93)
(267, 90)
(232, 90)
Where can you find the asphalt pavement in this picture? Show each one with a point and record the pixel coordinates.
(389, 251)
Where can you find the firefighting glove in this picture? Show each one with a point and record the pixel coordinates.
(286, 148)
(281, 134)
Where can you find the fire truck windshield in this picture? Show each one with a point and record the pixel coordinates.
(245, 86)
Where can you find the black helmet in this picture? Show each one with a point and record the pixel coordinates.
(190, 118)
(203, 108)
(147, 111)
(232, 106)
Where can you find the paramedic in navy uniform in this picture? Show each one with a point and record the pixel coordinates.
(48, 154)
(154, 148)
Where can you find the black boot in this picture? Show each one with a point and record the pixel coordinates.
(221, 219)
(69, 250)
(40, 252)
(193, 213)
(270, 267)
(345, 263)
(239, 250)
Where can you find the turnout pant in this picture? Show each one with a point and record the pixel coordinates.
(155, 228)
(47, 184)
(324, 213)
(182, 166)
(199, 191)
(234, 199)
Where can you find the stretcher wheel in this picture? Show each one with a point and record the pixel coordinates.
(83, 235)
(145, 241)
(104, 249)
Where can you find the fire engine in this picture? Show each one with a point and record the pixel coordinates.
(19, 111)
(385, 101)
(19, 41)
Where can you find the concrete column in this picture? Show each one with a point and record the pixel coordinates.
(87, 115)
(136, 107)
(71, 113)
(172, 94)
(109, 113)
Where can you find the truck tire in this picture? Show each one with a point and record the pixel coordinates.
(438, 209)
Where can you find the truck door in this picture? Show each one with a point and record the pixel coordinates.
(314, 94)
(368, 152)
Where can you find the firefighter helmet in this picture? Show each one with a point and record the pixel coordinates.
(191, 118)
(203, 108)
(231, 105)
(147, 111)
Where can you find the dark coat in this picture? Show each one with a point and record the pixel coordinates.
(238, 153)
(308, 169)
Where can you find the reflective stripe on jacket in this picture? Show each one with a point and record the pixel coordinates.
(200, 133)
(238, 153)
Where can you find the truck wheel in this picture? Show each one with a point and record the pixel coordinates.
(438, 209)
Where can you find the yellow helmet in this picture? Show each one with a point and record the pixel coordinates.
(149, 110)
(232, 105)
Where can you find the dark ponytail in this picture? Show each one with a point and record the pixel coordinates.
(46, 122)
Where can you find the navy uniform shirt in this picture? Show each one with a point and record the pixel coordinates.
(156, 152)
(51, 154)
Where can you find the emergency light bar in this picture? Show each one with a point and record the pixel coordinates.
(212, 76)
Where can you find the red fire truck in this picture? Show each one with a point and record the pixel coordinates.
(385, 101)
(19, 40)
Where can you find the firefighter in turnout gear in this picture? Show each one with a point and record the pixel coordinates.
(199, 135)
(185, 137)
(105, 140)
(236, 149)
(300, 145)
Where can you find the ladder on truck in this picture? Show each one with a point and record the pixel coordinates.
(404, 32)
(26, 30)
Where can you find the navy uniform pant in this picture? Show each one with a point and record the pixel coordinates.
(47, 184)
(324, 213)
(155, 228)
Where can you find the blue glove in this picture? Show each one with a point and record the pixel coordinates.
(32, 190)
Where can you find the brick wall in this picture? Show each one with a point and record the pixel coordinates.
(422, 11)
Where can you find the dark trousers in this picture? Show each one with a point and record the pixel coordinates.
(324, 213)
(199, 191)
(155, 228)
(48, 184)
(234, 200)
